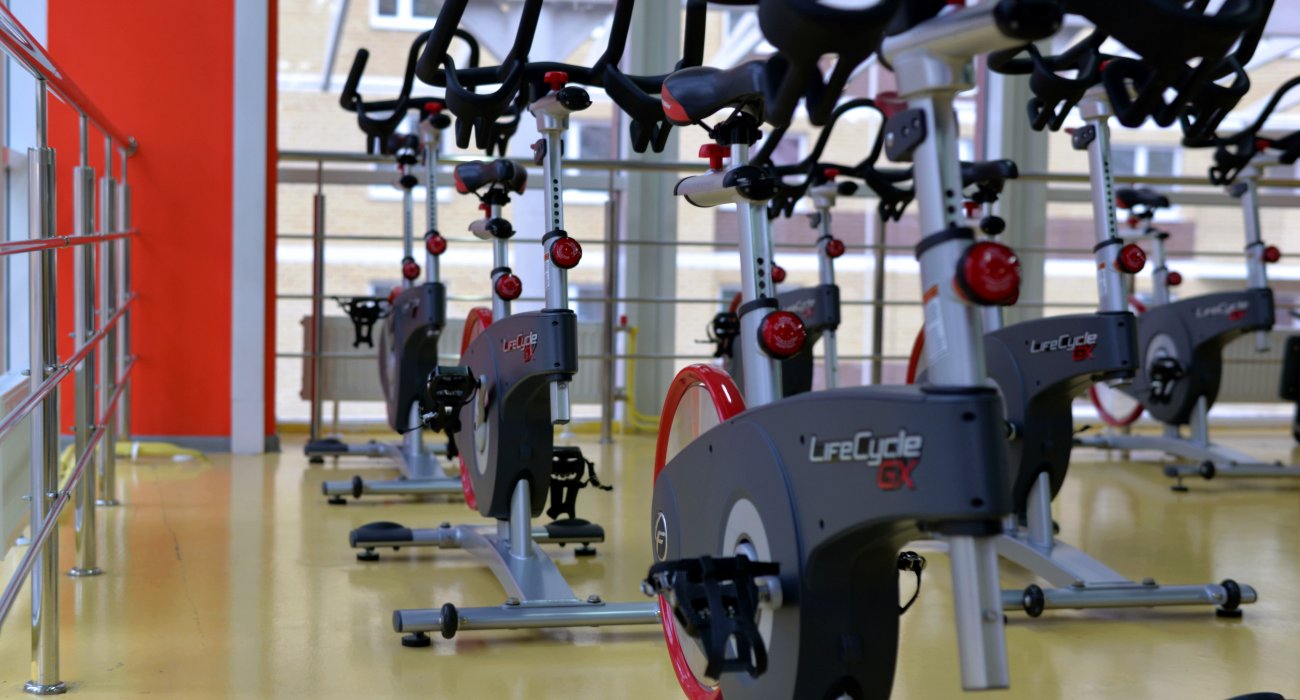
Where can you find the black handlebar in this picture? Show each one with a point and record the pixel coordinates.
(1233, 153)
(812, 166)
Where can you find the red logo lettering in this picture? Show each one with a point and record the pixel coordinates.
(1237, 315)
(1084, 352)
(893, 474)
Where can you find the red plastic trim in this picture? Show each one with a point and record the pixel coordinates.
(914, 359)
(477, 322)
(728, 402)
(1109, 418)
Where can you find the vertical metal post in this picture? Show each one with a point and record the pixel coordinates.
(878, 301)
(123, 415)
(44, 421)
(317, 299)
(108, 350)
(83, 261)
(610, 308)
(762, 371)
(1256, 273)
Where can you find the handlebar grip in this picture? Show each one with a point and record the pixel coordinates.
(348, 98)
(429, 68)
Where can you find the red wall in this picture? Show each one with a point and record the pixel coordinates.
(163, 71)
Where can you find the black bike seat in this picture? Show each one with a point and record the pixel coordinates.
(691, 94)
(988, 172)
(474, 175)
(1129, 197)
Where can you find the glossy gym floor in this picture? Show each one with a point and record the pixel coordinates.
(260, 597)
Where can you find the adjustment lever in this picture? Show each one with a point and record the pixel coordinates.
(447, 390)
(716, 601)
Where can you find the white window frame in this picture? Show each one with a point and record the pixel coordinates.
(1142, 167)
(404, 21)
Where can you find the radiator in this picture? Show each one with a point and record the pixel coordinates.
(342, 378)
(1249, 376)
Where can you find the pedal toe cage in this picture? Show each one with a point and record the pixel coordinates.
(716, 601)
(364, 313)
(568, 469)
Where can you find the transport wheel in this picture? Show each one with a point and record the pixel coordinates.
(477, 322)
(700, 397)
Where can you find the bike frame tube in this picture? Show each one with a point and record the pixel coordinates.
(500, 261)
(1256, 270)
(825, 276)
(553, 122)
(432, 151)
(1111, 290)
(762, 371)
(408, 225)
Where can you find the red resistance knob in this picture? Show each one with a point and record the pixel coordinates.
(434, 107)
(410, 269)
(509, 287)
(1272, 254)
(782, 334)
(482, 206)
(1133, 222)
(566, 253)
(392, 295)
(1262, 144)
(778, 274)
(556, 79)
(1131, 259)
(830, 173)
(988, 274)
(972, 208)
(1174, 278)
(834, 248)
(435, 243)
(715, 153)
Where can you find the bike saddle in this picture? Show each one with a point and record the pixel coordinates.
(1129, 197)
(691, 94)
(475, 175)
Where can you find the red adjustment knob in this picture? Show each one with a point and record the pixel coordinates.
(622, 320)
(435, 244)
(485, 208)
(834, 248)
(1262, 144)
(1272, 254)
(556, 79)
(410, 269)
(715, 153)
(1131, 259)
(1133, 222)
(778, 274)
(782, 334)
(972, 208)
(566, 253)
(434, 107)
(392, 294)
(831, 173)
(988, 274)
(1174, 278)
(890, 103)
(509, 287)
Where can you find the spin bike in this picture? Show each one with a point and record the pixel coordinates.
(1181, 342)
(511, 387)
(415, 314)
(777, 525)
(1041, 365)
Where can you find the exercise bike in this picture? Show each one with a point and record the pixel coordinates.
(777, 525)
(414, 315)
(1181, 342)
(512, 384)
(1041, 365)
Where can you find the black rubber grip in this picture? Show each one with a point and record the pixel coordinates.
(380, 533)
(576, 530)
(349, 98)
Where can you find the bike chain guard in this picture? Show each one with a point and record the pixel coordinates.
(716, 601)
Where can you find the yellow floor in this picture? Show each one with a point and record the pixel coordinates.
(233, 579)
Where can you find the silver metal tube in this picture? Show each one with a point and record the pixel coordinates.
(500, 261)
(317, 308)
(1161, 281)
(877, 299)
(83, 262)
(124, 332)
(44, 422)
(977, 608)
(1096, 112)
(530, 617)
(1256, 269)
(762, 371)
(557, 278)
(1039, 513)
(408, 230)
(609, 312)
(432, 149)
(120, 294)
(826, 275)
(521, 525)
(107, 370)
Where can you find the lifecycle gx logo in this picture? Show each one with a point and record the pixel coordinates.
(1081, 347)
(524, 342)
(1234, 310)
(895, 457)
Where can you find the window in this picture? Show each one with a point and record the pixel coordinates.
(595, 141)
(1129, 159)
(588, 302)
(405, 15)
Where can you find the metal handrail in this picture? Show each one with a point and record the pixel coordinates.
(19, 43)
(61, 372)
(15, 585)
(34, 245)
